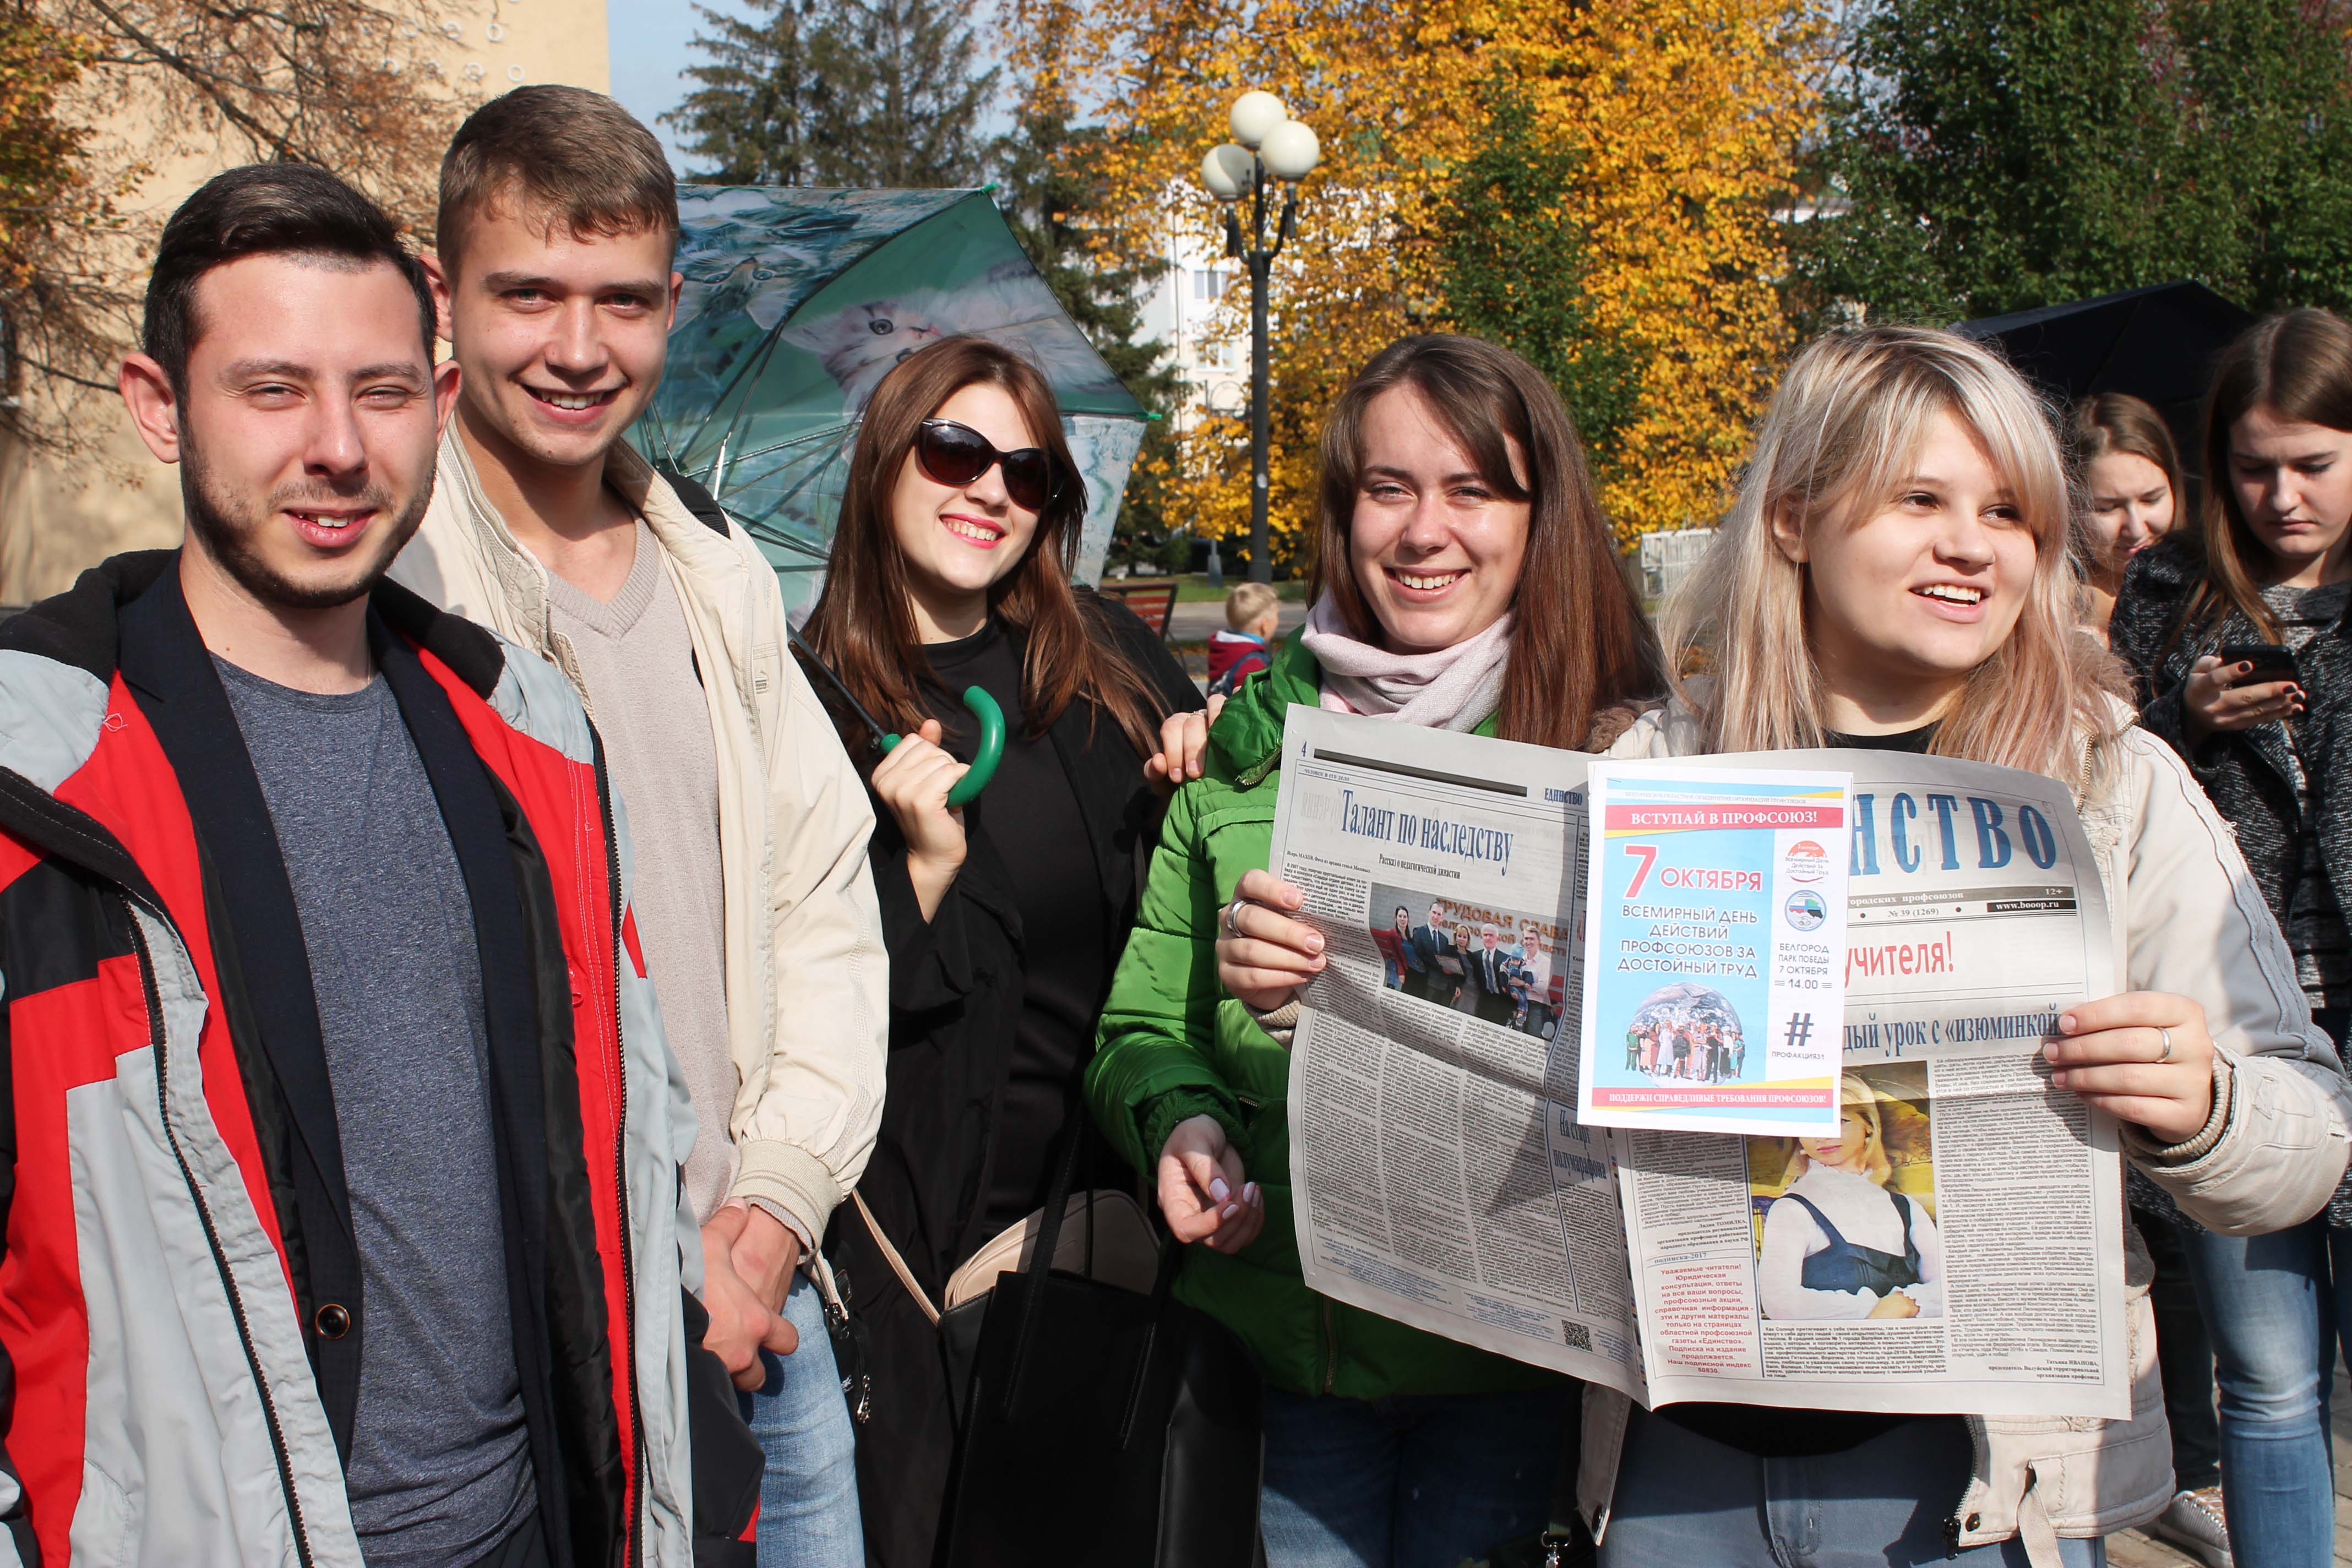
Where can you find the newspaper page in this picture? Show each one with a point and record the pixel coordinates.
(1438, 1170)
(1957, 1246)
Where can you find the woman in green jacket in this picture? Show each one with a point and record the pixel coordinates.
(1466, 582)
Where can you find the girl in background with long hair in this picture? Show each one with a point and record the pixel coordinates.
(2131, 492)
(1896, 574)
(951, 568)
(1466, 581)
(2236, 630)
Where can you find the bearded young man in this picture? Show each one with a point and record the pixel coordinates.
(342, 1144)
(557, 223)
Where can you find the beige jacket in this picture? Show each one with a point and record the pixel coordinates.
(807, 979)
(2187, 919)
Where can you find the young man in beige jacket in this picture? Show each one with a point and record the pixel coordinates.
(756, 913)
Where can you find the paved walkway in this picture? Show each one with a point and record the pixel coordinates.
(2133, 1550)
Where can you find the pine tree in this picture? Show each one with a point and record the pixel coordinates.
(750, 122)
(1051, 193)
(902, 97)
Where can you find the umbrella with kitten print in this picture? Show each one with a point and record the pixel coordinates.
(798, 301)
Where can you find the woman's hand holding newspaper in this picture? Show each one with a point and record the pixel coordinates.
(1264, 956)
(2145, 1057)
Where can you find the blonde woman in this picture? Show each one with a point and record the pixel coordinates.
(1896, 574)
(1839, 1243)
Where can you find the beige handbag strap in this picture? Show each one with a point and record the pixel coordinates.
(890, 1255)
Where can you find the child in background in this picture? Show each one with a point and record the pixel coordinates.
(1254, 614)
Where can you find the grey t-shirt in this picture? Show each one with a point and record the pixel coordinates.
(636, 658)
(440, 1471)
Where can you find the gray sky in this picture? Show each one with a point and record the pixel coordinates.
(650, 51)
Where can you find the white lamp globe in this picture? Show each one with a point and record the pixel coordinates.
(1226, 172)
(1254, 114)
(1291, 150)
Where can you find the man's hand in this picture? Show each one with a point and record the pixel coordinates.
(765, 1254)
(741, 1325)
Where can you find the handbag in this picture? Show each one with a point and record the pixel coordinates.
(1101, 1425)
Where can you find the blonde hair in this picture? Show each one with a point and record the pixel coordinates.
(1247, 602)
(1853, 1091)
(1842, 430)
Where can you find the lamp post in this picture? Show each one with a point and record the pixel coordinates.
(1267, 146)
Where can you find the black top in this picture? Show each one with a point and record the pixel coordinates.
(1031, 813)
(962, 1011)
(1767, 1431)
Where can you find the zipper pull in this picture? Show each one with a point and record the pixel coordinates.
(1952, 1536)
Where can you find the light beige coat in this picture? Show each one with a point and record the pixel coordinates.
(2187, 919)
(807, 978)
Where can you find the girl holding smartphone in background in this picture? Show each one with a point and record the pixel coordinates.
(2236, 630)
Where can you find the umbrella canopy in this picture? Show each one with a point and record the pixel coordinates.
(2156, 343)
(798, 301)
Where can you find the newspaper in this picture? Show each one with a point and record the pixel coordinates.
(1441, 1176)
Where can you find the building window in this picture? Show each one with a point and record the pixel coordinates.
(1208, 283)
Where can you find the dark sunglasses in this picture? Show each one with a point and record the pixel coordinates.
(953, 454)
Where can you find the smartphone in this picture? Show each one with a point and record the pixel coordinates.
(2271, 660)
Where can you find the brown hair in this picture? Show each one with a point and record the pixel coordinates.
(2109, 422)
(864, 624)
(2299, 364)
(2103, 424)
(1580, 641)
(570, 158)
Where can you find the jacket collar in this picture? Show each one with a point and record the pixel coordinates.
(522, 580)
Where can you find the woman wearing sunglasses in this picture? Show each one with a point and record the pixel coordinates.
(951, 568)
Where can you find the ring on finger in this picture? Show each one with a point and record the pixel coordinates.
(2165, 1035)
(1233, 913)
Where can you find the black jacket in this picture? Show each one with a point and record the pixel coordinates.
(2249, 773)
(956, 996)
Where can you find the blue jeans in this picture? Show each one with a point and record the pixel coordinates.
(1686, 1499)
(808, 1501)
(1412, 1481)
(2275, 1317)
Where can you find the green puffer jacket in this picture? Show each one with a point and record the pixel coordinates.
(1173, 1046)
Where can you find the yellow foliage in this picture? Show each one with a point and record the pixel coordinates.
(1684, 116)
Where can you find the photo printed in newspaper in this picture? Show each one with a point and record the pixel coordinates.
(1938, 1254)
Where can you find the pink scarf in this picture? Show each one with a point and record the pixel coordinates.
(1454, 688)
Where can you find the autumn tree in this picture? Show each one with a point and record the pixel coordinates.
(1513, 259)
(51, 207)
(96, 95)
(1678, 121)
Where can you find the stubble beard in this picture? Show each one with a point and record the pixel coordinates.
(211, 519)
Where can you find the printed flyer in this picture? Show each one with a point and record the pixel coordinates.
(1713, 950)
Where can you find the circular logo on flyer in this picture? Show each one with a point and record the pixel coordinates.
(1806, 861)
(1805, 910)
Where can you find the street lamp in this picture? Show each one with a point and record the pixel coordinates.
(1267, 144)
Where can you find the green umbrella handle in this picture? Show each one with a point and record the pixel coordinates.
(991, 746)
